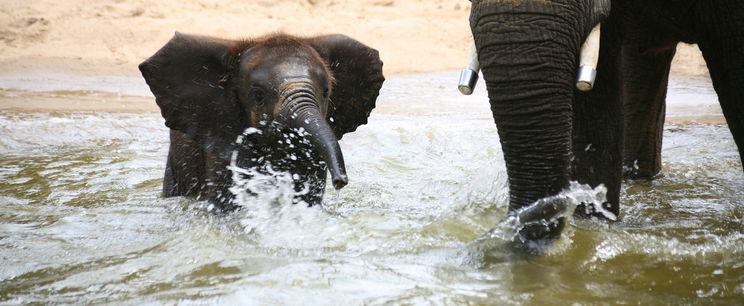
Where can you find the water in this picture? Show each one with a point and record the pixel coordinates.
(81, 220)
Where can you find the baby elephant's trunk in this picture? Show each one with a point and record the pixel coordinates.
(301, 112)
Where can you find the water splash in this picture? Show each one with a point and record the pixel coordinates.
(546, 213)
(271, 204)
(271, 212)
(548, 210)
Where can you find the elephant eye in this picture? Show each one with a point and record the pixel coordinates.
(258, 95)
(326, 91)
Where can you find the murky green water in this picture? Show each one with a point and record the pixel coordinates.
(81, 220)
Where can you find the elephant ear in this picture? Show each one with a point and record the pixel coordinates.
(188, 77)
(357, 70)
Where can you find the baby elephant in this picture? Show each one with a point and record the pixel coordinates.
(276, 103)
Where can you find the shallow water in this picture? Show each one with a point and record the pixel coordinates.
(81, 220)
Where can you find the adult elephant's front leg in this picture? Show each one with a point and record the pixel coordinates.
(645, 78)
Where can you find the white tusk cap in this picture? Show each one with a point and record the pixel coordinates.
(469, 75)
(588, 61)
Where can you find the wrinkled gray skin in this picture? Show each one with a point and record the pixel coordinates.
(552, 133)
(298, 96)
(528, 51)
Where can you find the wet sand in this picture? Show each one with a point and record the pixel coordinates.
(690, 99)
(74, 101)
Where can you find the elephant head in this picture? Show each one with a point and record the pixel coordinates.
(211, 90)
(529, 52)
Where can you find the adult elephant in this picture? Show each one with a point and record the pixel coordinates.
(551, 133)
(276, 103)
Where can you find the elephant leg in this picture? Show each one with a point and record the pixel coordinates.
(598, 125)
(645, 78)
(185, 168)
(722, 47)
(218, 180)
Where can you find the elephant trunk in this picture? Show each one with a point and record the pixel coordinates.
(528, 61)
(534, 126)
(300, 111)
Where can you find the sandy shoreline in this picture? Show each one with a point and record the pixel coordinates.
(100, 43)
(112, 37)
(90, 37)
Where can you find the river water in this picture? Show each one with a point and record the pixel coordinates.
(81, 220)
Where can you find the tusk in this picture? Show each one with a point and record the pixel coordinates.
(588, 61)
(469, 75)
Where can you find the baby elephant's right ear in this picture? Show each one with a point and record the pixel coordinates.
(357, 69)
(188, 78)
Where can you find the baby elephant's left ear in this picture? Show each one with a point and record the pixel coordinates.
(357, 69)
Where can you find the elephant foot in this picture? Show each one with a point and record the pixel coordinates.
(539, 224)
(530, 230)
(534, 238)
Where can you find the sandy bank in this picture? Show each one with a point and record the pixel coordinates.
(112, 37)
